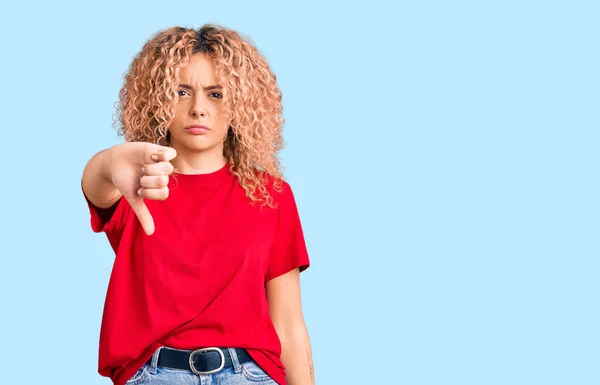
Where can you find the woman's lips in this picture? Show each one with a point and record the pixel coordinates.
(196, 130)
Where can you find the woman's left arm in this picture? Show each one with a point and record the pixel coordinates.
(285, 309)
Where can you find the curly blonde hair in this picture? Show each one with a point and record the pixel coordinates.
(252, 99)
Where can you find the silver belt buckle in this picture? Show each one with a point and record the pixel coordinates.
(198, 372)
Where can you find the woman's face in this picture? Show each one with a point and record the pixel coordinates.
(200, 103)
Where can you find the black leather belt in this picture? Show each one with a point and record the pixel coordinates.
(200, 361)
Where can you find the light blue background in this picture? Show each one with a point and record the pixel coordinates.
(444, 158)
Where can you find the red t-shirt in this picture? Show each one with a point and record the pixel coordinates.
(199, 280)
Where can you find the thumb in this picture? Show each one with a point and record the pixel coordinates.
(143, 214)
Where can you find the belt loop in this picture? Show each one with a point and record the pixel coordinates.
(237, 367)
(154, 362)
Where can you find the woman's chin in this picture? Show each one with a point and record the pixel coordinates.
(195, 146)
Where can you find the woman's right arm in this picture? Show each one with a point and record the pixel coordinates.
(134, 170)
(97, 181)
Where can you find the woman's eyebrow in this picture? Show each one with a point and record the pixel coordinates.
(207, 88)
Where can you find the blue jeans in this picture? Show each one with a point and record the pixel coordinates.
(246, 373)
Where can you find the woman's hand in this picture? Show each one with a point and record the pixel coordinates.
(141, 170)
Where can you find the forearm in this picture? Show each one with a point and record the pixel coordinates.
(96, 181)
(296, 356)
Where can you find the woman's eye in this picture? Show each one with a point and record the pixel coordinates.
(216, 95)
(182, 93)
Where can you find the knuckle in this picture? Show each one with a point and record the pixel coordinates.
(151, 169)
(163, 193)
(144, 181)
(163, 181)
(148, 169)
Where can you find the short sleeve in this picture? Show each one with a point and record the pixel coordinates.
(289, 248)
(110, 219)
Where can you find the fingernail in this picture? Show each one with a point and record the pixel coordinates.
(140, 192)
(154, 157)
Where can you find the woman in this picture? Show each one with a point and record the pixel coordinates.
(207, 236)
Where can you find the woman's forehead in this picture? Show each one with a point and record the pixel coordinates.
(199, 72)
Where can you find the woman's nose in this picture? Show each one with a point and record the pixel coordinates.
(198, 109)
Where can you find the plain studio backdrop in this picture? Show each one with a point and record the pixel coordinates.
(444, 157)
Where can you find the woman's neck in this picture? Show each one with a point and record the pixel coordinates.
(199, 162)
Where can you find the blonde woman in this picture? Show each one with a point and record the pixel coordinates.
(207, 237)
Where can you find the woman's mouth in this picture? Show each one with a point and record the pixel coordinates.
(197, 129)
